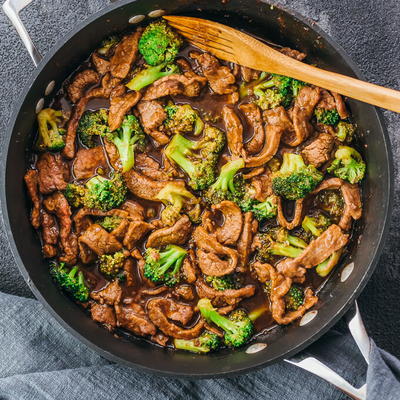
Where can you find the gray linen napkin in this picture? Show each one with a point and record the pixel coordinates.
(40, 360)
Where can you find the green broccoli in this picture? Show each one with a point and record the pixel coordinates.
(197, 158)
(278, 242)
(107, 44)
(126, 139)
(331, 201)
(163, 266)
(327, 117)
(148, 75)
(72, 281)
(51, 136)
(238, 327)
(159, 43)
(345, 131)
(91, 124)
(266, 209)
(246, 88)
(226, 187)
(348, 165)
(176, 198)
(324, 268)
(222, 282)
(294, 298)
(111, 264)
(105, 194)
(205, 343)
(183, 119)
(316, 224)
(295, 179)
(74, 194)
(110, 222)
(278, 90)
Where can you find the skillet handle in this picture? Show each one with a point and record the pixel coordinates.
(12, 8)
(316, 367)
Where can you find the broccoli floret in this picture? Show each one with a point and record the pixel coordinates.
(222, 282)
(331, 201)
(348, 165)
(238, 328)
(205, 343)
(107, 44)
(111, 264)
(159, 43)
(345, 131)
(126, 139)
(51, 137)
(327, 117)
(266, 209)
(278, 242)
(225, 187)
(246, 88)
(72, 281)
(197, 158)
(163, 266)
(92, 123)
(295, 179)
(148, 75)
(316, 224)
(183, 119)
(176, 198)
(294, 298)
(279, 90)
(74, 194)
(110, 222)
(105, 194)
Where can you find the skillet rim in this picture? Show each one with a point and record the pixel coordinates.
(223, 374)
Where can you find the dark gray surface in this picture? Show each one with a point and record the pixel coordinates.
(368, 30)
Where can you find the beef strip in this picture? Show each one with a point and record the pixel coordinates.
(50, 234)
(135, 231)
(298, 214)
(99, 240)
(248, 74)
(58, 205)
(262, 185)
(297, 55)
(53, 173)
(317, 251)
(340, 105)
(176, 234)
(80, 82)
(302, 113)
(250, 227)
(234, 131)
(150, 167)
(158, 309)
(319, 150)
(120, 104)
(209, 252)
(111, 294)
(220, 77)
(178, 312)
(87, 161)
(326, 100)
(104, 314)
(184, 292)
(254, 119)
(133, 318)
(142, 186)
(31, 181)
(101, 65)
(228, 233)
(220, 298)
(152, 115)
(125, 54)
(188, 267)
(351, 196)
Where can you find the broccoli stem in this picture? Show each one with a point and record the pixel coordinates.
(225, 180)
(149, 75)
(324, 268)
(280, 249)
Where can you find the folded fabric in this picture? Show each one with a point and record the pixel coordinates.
(40, 360)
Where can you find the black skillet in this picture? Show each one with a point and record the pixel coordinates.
(261, 19)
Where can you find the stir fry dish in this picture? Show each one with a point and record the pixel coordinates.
(189, 201)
